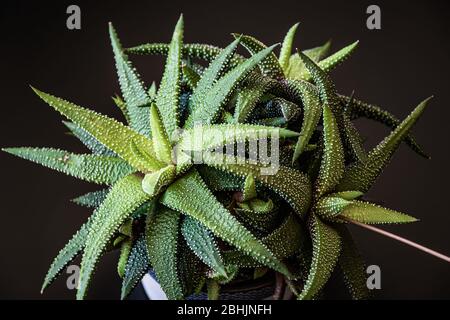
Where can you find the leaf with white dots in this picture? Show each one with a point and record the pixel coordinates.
(203, 244)
(125, 196)
(208, 78)
(88, 140)
(133, 89)
(91, 199)
(88, 167)
(289, 183)
(202, 51)
(362, 175)
(332, 165)
(191, 197)
(137, 265)
(286, 47)
(270, 65)
(326, 250)
(114, 135)
(218, 95)
(359, 108)
(370, 213)
(162, 232)
(334, 60)
(168, 96)
(353, 266)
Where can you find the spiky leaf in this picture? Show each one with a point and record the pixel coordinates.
(219, 93)
(91, 199)
(167, 99)
(109, 132)
(289, 183)
(312, 113)
(359, 108)
(210, 75)
(332, 165)
(161, 144)
(132, 88)
(136, 267)
(88, 140)
(125, 196)
(269, 65)
(333, 60)
(191, 197)
(361, 175)
(286, 47)
(353, 266)
(370, 213)
(326, 250)
(162, 230)
(202, 243)
(88, 167)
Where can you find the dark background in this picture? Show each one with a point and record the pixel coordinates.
(395, 67)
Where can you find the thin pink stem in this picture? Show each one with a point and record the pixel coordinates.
(405, 241)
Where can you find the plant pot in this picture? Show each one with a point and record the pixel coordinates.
(259, 289)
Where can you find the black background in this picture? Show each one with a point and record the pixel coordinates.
(396, 67)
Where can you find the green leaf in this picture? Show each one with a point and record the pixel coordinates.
(289, 183)
(219, 93)
(289, 233)
(249, 188)
(153, 91)
(334, 60)
(125, 196)
(269, 65)
(318, 53)
(193, 50)
(296, 69)
(330, 207)
(332, 165)
(210, 76)
(218, 180)
(338, 57)
(213, 288)
(114, 135)
(348, 195)
(125, 249)
(88, 140)
(68, 253)
(91, 199)
(208, 137)
(312, 112)
(162, 230)
(250, 94)
(132, 88)
(326, 87)
(370, 213)
(353, 139)
(167, 99)
(88, 167)
(191, 197)
(362, 109)
(361, 175)
(161, 144)
(122, 106)
(190, 76)
(136, 267)
(286, 47)
(353, 266)
(326, 250)
(155, 181)
(202, 243)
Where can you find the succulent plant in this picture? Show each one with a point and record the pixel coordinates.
(202, 225)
